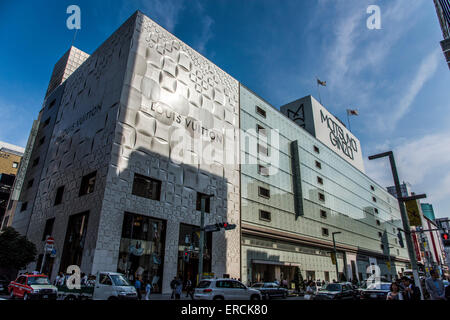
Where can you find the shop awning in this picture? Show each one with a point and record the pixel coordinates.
(278, 263)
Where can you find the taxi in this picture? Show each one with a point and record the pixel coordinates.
(32, 286)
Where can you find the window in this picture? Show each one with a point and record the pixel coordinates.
(146, 187)
(382, 246)
(264, 215)
(260, 111)
(48, 228)
(30, 183)
(319, 180)
(316, 149)
(51, 104)
(261, 130)
(263, 192)
(59, 195)
(378, 222)
(207, 202)
(380, 234)
(325, 232)
(41, 141)
(318, 165)
(15, 164)
(374, 199)
(376, 210)
(46, 122)
(262, 170)
(35, 162)
(24, 206)
(105, 280)
(263, 150)
(372, 188)
(321, 196)
(323, 214)
(87, 184)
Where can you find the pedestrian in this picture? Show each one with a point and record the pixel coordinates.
(189, 289)
(84, 279)
(148, 290)
(309, 291)
(137, 285)
(59, 279)
(435, 286)
(178, 289)
(173, 286)
(410, 291)
(394, 293)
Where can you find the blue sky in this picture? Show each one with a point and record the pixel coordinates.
(396, 76)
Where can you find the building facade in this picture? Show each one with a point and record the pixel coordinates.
(137, 133)
(443, 13)
(296, 191)
(10, 159)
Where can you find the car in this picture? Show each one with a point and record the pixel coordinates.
(375, 291)
(32, 286)
(270, 290)
(336, 291)
(225, 289)
(4, 284)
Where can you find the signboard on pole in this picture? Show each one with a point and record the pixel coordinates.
(412, 208)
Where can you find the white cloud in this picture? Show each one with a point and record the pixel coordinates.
(424, 73)
(423, 162)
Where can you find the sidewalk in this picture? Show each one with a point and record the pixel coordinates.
(165, 296)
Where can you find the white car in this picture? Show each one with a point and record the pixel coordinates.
(224, 289)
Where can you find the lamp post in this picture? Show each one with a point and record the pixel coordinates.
(335, 254)
(401, 200)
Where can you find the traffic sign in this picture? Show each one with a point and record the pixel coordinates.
(50, 241)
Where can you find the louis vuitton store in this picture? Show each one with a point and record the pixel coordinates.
(142, 249)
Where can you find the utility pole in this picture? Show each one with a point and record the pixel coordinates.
(335, 255)
(407, 230)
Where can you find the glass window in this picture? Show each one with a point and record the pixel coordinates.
(319, 180)
(48, 228)
(323, 214)
(146, 187)
(263, 192)
(59, 195)
(15, 164)
(35, 162)
(260, 111)
(264, 215)
(321, 196)
(263, 150)
(316, 149)
(30, 183)
(261, 130)
(87, 184)
(199, 202)
(262, 170)
(325, 232)
(104, 279)
(318, 165)
(224, 284)
(141, 252)
(74, 241)
(38, 281)
(24, 206)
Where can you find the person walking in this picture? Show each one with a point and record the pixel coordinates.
(309, 291)
(189, 289)
(410, 291)
(178, 289)
(137, 285)
(394, 293)
(173, 286)
(148, 290)
(435, 286)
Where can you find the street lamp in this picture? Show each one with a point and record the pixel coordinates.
(407, 230)
(335, 254)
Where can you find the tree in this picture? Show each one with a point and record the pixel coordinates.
(16, 251)
(298, 280)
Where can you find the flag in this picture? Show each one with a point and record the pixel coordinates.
(351, 112)
(322, 83)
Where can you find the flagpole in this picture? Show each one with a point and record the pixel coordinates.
(348, 120)
(318, 90)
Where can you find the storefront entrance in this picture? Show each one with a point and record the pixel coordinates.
(189, 241)
(265, 272)
(141, 252)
